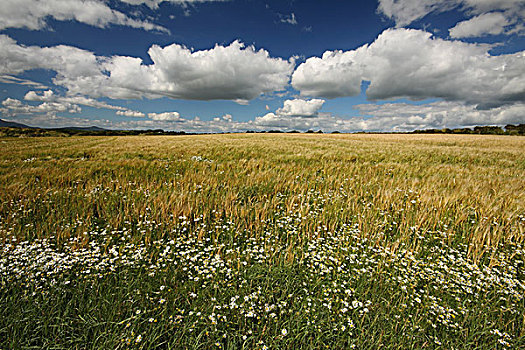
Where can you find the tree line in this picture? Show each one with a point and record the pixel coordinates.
(509, 129)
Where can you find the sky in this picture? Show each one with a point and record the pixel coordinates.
(238, 65)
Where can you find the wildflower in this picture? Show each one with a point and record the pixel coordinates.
(284, 332)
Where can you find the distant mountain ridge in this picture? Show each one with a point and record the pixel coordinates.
(6, 124)
(14, 129)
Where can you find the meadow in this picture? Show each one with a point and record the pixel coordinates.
(262, 241)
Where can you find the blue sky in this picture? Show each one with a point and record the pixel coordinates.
(214, 66)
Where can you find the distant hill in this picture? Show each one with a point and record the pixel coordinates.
(6, 124)
(10, 129)
(82, 128)
(13, 129)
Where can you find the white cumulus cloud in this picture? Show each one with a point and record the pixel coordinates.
(76, 69)
(130, 113)
(411, 63)
(298, 114)
(166, 116)
(300, 107)
(232, 72)
(335, 74)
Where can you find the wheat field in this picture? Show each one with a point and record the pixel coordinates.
(261, 241)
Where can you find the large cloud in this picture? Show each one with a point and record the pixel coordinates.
(232, 72)
(411, 63)
(335, 74)
(32, 14)
(77, 70)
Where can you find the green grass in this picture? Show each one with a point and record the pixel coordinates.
(253, 241)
